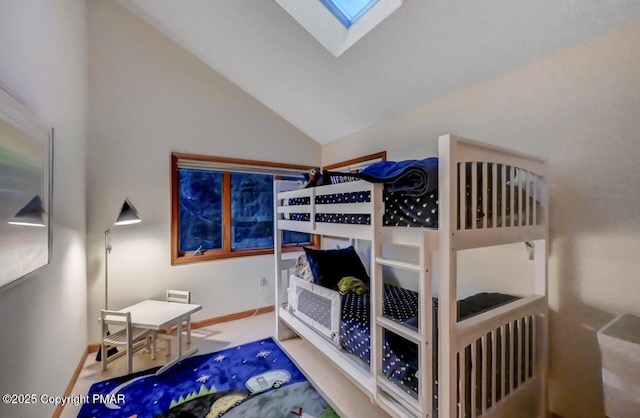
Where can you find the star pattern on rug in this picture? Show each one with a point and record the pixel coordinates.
(203, 378)
(219, 358)
(263, 354)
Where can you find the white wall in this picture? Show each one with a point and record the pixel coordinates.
(43, 61)
(149, 97)
(578, 109)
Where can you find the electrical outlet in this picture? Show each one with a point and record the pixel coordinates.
(262, 281)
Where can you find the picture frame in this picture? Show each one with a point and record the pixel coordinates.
(26, 183)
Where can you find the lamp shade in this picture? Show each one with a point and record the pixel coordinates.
(128, 214)
(31, 214)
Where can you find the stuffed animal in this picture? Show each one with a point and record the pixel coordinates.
(315, 178)
(303, 270)
(352, 284)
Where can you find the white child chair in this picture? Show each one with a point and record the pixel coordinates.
(129, 338)
(181, 296)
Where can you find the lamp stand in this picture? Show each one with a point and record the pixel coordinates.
(127, 215)
(107, 250)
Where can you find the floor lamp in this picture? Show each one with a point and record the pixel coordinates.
(128, 215)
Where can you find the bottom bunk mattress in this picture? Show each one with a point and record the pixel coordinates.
(400, 357)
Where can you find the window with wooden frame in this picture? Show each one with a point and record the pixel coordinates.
(223, 207)
(356, 164)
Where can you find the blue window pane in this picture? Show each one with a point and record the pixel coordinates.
(292, 237)
(251, 211)
(200, 209)
(348, 11)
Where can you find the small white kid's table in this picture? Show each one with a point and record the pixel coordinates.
(157, 315)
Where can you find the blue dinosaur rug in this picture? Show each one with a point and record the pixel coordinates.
(254, 380)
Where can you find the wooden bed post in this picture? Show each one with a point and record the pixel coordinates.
(447, 307)
(541, 287)
(428, 244)
(281, 331)
(376, 288)
(277, 251)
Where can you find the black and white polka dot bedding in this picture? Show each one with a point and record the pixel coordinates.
(341, 218)
(400, 362)
(399, 304)
(420, 211)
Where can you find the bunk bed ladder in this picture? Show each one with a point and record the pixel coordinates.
(397, 400)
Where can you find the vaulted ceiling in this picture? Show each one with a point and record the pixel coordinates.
(426, 50)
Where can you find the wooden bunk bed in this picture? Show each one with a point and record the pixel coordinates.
(492, 364)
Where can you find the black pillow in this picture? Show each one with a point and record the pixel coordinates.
(329, 266)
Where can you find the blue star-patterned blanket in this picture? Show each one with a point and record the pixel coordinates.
(253, 380)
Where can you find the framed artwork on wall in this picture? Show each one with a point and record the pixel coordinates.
(25, 192)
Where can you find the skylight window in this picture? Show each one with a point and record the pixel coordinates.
(348, 11)
(339, 24)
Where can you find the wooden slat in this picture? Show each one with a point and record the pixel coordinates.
(474, 378)
(399, 264)
(494, 195)
(485, 365)
(512, 199)
(522, 182)
(392, 406)
(294, 209)
(511, 356)
(365, 232)
(494, 367)
(400, 330)
(462, 176)
(526, 199)
(474, 195)
(298, 226)
(527, 362)
(485, 197)
(503, 363)
(469, 239)
(535, 199)
(518, 360)
(291, 194)
(503, 188)
(395, 393)
(534, 342)
(346, 208)
(462, 367)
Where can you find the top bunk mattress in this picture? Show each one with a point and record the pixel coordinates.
(411, 200)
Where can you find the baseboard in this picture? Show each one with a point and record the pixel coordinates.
(74, 378)
(93, 348)
(231, 317)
